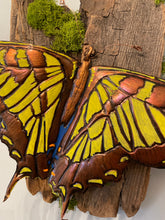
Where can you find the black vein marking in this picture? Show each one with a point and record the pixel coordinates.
(136, 124)
(154, 124)
(121, 126)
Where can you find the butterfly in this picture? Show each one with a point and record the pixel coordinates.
(76, 126)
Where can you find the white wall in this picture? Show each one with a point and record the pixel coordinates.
(5, 19)
(23, 206)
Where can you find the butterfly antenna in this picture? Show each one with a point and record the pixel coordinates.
(12, 183)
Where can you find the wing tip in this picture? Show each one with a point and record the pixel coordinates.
(64, 206)
(16, 177)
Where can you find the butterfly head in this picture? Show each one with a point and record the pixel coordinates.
(87, 53)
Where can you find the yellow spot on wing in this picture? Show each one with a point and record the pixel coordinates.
(110, 87)
(3, 77)
(78, 185)
(96, 128)
(41, 143)
(26, 101)
(123, 122)
(30, 125)
(53, 183)
(108, 141)
(22, 91)
(51, 61)
(25, 115)
(4, 137)
(159, 119)
(123, 159)
(2, 124)
(144, 123)
(33, 138)
(146, 91)
(25, 170)
(63, 190)
(53, 92)
(97, 181)
(51, 81)
(87, 150)
(53, 69)
(8, 87)
(102, 93)
(80, 123)
(111, 172)
(94, 105)
(80, 149)
(118, 133)
(96, 145)
(74, 69)
(136, 138)
(72, 150)
(36, 106)
(54, 73)
(16, 153)
(21, 53)
(23, 62)
(2, 54)
(116, 79)
(49, 115)
(54, 193)
(91, 78)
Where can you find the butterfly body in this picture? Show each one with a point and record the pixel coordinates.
(91, 123)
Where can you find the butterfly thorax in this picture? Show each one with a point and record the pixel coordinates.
(78, 84)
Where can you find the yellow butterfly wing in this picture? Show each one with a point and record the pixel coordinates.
(119, 117)
(34, 85)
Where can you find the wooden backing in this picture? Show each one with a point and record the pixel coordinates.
(115, 29)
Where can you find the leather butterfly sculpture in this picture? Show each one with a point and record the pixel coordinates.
(77, 126)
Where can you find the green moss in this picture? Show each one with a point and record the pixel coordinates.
(66, 28)
(163, 67)
(158, 2)
(72, 203)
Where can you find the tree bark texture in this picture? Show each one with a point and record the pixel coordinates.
(115, 27)
(126, 34)
(20, 31)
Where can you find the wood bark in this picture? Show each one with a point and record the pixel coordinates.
(20, 31)
(126, 34)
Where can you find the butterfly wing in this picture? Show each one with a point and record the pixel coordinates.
(121, 116)
(34, 86)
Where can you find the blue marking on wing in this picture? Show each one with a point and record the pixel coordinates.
(61, 134)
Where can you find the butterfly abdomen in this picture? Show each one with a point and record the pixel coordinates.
(79, 84)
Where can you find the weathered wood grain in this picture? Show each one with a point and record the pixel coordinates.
(116, 29)
(20, 31)
(136, 179)
(37, 185)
